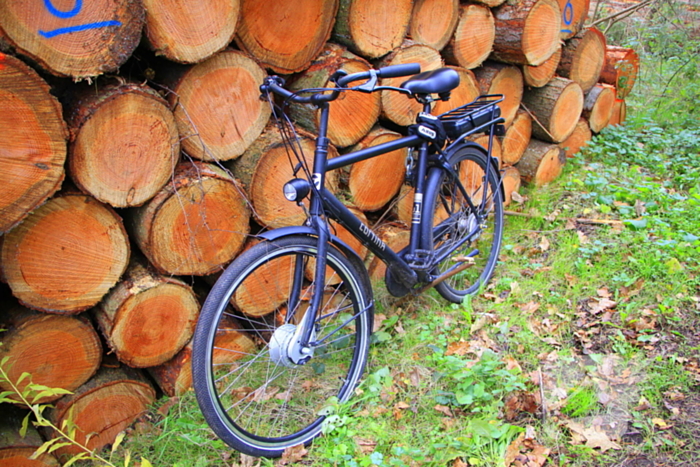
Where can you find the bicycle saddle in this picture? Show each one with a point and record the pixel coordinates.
(432, 82)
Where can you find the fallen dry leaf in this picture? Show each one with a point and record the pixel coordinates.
(544, 244)
(367, 446)
(443, 409)
(594, 436)
(248, 461)
(379, 319)
(292, 455)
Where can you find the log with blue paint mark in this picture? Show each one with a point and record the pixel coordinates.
(78, 40)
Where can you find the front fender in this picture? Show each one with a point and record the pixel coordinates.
(275, 234)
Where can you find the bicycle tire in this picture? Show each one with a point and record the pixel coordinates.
(451, 219)
(258, 401)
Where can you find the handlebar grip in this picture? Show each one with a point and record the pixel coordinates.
(395, 71)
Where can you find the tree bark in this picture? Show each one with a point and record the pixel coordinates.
(124, 144)
(620, 69)
(527, 31)
(147, 318)
(538, 76)
(33, 147)
(174, 377)
(371, 28)
(541, 163)
(582, 58)
(66, 255)
(57, 351)
(16, 450)
(396, 107)
(103, 407)
(190, 32)
(433, 22)
(81, 41)
(499, 78)
(511, 183)
(473, 38)
(578, 139)
(266, 167)
(573, 15)
(196, 224)
(374, 182)
(516, 139)
(466, 92)
(556, 109)
(287, 34)
(598, 106)
(217, 107)
(353, 114)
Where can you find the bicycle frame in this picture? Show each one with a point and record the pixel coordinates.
(324, 203)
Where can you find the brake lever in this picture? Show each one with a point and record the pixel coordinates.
(369, 85)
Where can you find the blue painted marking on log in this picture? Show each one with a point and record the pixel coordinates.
(64, 14)
(79, 27)
(69, 14)
(568, 13)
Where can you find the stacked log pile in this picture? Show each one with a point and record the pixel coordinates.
(131, 173)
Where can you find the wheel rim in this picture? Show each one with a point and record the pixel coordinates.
(453, 217)
(264, 398)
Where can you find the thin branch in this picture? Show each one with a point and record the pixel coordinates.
(630, 10)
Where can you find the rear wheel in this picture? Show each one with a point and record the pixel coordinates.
(461, 227)
(265, 393)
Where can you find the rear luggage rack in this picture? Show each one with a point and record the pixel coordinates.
(473, 117)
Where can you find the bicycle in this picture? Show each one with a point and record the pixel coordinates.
(305, 297)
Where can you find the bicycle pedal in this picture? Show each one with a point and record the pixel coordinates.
(421, 260)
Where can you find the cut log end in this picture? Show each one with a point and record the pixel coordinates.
(511, 183)
(527, 31)
(397, 107)
(433, 22)
(538, 76)
(583, 57)
(125, 151)
(217, 108)
(620, 69)
(517, 138)
(369, 28)
(147, 318)
(579, 138)
(83, 41)
(598, 106)
(196, 228)
(58, 351)
(289, 36)
(541, 32)
(541, 163)
(66, 255)
(103, 407)
(33, 136)
(473, 38)
(190, 32)
(573, 15)
(374, 182)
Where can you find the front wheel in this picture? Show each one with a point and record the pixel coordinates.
(462, 227)
(259, 391)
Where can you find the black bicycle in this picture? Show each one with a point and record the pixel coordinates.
(304, 298)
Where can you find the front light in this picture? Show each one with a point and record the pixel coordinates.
(296, 190)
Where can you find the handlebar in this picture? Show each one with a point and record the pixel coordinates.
(342, 79)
